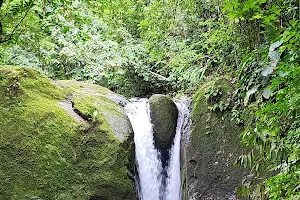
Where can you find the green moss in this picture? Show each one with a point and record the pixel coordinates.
(205, 121)
(19, 83)
(200, 103)
(88, 97)
(215, 144)
(84, 88)
(45, 153)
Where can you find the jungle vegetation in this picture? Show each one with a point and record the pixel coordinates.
(141, 47)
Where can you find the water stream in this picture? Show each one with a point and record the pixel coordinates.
(152, 182)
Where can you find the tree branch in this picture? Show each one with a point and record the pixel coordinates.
(161, 77)
(12, 33)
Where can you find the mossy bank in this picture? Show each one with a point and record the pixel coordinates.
(214, 145)
(61, 140)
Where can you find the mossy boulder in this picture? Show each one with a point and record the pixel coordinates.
(60, 140)
(164, 116)
(214, 145)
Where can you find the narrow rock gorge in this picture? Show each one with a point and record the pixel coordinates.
(74, 140)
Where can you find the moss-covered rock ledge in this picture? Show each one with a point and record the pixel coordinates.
(61, 140)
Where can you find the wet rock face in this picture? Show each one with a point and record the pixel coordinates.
(213, 148)
(164, 116)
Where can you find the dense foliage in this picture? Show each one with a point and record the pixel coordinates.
(142, 47)
(149, 46)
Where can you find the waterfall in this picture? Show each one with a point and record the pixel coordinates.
(149, 166)
(147, 157)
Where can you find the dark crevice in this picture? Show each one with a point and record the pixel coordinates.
(87, 117)
(193, 177)
(193, 162)
(83, 116)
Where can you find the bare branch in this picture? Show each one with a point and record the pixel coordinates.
(160, 77)
(12, 33)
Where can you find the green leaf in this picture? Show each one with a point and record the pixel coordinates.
(257, 16)
(267, 92)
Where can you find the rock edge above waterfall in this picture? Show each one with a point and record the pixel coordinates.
(61, 140)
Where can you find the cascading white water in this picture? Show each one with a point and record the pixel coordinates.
(174, 177)
(149, 166)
